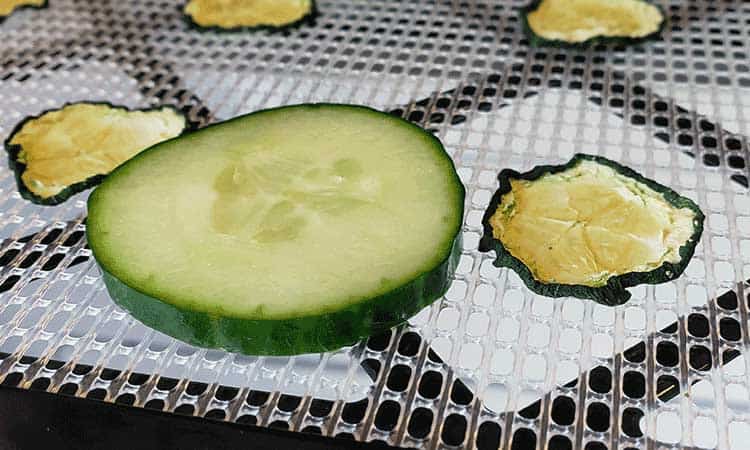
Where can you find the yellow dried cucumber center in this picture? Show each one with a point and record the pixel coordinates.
(70, 145)
(588, 224)
(7, 6)
(580, 20)
(247, 13)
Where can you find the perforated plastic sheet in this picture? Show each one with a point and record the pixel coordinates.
(489, 365)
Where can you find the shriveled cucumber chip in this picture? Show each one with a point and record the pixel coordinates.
(582, 22)
(8, 6)
(590, 228)
(65, 151)
(244, 14)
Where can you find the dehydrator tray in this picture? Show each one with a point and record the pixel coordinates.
(490, 365)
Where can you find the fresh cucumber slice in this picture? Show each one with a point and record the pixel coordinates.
(290, 230)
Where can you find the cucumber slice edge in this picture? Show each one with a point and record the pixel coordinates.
(295, 335)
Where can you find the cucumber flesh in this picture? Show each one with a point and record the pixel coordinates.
(64, 151)
(590, 223)
(584, 22)
(237, 14)
(8, 6)
(589, 228)
(293, 218)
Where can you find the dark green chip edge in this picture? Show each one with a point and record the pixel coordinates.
(538, 41)
(614, 292)
(18, 167)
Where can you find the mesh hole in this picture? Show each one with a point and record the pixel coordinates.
(216, 414)
(320, 408)
(700, 357)
(40, 384)
(600, 379)
(288, 403)
(68, 389)
(559, 442)
(523, 439)
(409, 344)
(398, 380)
(454, 430)
(431, 384)
(730, 329)
(727, 301)
(597, 416)
(387, 416)
(97, 394)
(247, 419)
(354, 412)
(185, 409)
(125, 399)
(225, 393)
(155, 404)
(563, 410)
(460, 394)
(488, 436)
(257, 398)
(667, 354)
(420, 423)
(698, 325)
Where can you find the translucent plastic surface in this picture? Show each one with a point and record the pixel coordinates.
(664, 370)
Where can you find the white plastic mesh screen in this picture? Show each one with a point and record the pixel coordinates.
(491, 364)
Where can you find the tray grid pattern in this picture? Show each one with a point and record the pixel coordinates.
(454, 374)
